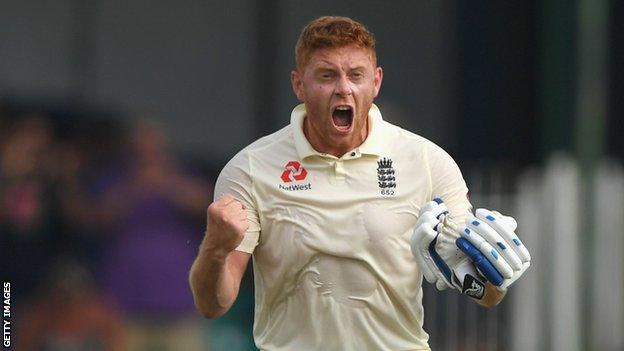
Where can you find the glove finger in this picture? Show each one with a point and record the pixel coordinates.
(480, 261)
(441, 285)
(510, 282)
(489, 252)
(505, 231)
(496, 240)
(427, 219)
(510, 221)
(435, 207)
(421, 238)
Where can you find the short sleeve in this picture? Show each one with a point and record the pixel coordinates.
(448, 184)
(235, 179)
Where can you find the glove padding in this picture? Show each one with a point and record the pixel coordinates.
(439, 258)
(445, 266)
(493, 246)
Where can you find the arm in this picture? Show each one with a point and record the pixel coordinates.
(215, 281)
(232, 234)
(218, 269)
(448, 183)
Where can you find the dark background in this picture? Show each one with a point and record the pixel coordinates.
(493, 81)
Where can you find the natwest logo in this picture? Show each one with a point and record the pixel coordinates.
(293, 171)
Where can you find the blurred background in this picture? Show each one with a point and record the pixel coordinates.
(117, 116)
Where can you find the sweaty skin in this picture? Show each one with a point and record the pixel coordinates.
(344, 78)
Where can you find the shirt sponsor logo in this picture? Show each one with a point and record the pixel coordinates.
(385, 176)
(296, 187)
(294, 172)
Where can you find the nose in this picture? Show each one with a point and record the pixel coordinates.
(343, 87)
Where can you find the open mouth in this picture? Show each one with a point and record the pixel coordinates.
(342, 116)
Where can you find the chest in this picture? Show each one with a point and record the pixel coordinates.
(339, 207)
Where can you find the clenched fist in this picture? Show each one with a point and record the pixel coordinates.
(227, 224)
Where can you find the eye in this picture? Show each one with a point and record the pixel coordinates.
(357, 75)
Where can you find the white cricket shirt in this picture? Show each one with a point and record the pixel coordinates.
(330, 236)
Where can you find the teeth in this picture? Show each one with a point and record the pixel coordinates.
(343, 108)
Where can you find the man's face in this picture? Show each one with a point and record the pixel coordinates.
(338, 86)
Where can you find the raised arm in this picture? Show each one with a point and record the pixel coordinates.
(217, 272)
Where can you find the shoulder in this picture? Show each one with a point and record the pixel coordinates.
(266, 146)
(409, 141)
(237, 176)
(279, 139)
(415, 150)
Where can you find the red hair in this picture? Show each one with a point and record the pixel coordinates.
(333, 32)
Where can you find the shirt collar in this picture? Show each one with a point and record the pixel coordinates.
(371, 146)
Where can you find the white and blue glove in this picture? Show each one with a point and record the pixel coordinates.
(464, 258)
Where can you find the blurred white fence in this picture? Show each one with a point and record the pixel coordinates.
(572, 297)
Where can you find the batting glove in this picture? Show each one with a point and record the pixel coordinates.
(465, 258)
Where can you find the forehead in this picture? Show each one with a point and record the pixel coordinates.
(346, 57)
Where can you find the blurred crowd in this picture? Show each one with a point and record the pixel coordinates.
(99, 224)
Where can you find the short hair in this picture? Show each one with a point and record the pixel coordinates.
(333, 32)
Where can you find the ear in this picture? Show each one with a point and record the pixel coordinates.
(297, 85)
(377, 80)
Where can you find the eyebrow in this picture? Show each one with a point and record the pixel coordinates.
(327, 66)
(324, 64)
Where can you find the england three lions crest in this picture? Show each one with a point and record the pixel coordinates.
(385, 176)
